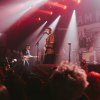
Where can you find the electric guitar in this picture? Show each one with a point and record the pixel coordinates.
(26, 58)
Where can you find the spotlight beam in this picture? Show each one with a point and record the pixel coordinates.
(71, 37)
(54, 24)
(19, 10)
(31, 39)
(38, 32)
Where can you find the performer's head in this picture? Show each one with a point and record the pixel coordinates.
(28, 47)
(48, 30)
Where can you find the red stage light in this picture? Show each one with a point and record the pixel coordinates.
(56, 4)
(65, 7)
(39, 19)
(46, 12)
(51, 13)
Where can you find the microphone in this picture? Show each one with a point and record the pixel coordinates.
(43, 33)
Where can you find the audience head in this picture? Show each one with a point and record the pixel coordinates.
(4, 95)
(68, 82)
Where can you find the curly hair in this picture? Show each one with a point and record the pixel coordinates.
(68, 82)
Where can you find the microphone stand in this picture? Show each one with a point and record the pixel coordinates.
(37, 44)
(69, 51)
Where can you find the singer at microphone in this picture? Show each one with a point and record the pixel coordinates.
(47, 31)
(49, 56)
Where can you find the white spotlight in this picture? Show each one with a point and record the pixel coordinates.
(54, 23)
(71, 37)
(74, 11)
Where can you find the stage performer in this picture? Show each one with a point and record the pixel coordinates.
(49, 57)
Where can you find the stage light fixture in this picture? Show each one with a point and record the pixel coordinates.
(65, 7)
(46, 12)
(78, 1)
(51, 13)
(39, 18)
(56, 4)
